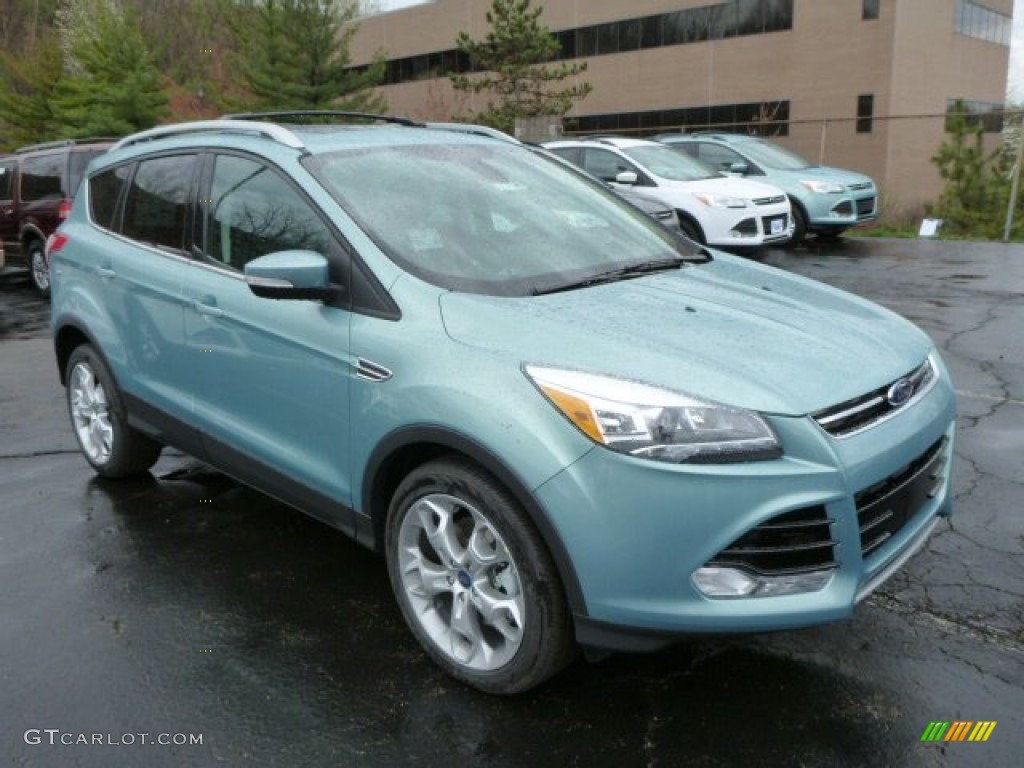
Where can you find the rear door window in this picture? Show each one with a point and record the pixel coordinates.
(41, 177)
(159, 201)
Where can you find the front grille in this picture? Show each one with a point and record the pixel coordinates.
(867, 410)
(885, 507)
(866, 206)
(862, 185)
(770, 200)
(795, 542)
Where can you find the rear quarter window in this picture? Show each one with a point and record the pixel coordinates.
(41, 178)
(104, 193)
(76, 167)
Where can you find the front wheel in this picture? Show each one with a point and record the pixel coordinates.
(113, 448)
(474, 580)
(39, 270)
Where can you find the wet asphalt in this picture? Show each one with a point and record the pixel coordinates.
(183, 608)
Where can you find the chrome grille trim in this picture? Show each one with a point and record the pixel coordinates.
(854, 416)
(769, 200)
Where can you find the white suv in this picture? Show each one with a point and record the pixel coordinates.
(712, 209)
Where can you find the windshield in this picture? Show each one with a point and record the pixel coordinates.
(668, 164)
(490, 218)
(774, 156)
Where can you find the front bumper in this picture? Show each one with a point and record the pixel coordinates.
(838, 212)
(636, 531)
(751, 228)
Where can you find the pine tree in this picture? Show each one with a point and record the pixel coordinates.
(512, 60)
(110, 86)
(294, 54)
(27, 84)
(974, 199)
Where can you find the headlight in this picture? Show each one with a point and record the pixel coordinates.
(646, 421)
(721, 201)
(824, 187)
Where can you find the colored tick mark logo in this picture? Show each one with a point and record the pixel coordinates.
(959, 730)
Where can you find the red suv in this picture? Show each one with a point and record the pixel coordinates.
(37, 184)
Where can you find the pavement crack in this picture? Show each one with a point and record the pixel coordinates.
(36, 454)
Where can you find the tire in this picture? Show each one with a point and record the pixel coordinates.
(690, 228)
(474, 581)
(39, 270)
(799, 225)
(99, 421)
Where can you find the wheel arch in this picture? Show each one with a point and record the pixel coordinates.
(685, 217)
(405, 449)
(68, 338)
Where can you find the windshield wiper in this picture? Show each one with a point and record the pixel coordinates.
(614, 275)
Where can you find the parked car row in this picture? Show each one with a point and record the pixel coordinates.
(561, 424)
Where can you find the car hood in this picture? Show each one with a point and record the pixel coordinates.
(739, 333)
(724, 185)
(822, 173)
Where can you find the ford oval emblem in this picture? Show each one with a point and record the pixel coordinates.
(899, 393)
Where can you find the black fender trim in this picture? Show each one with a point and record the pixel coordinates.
(374, 506)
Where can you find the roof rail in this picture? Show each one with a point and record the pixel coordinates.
(62, 143)
(476, 130)
(322, 113)
(269, 130)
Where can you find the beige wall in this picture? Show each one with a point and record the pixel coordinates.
(909, 59)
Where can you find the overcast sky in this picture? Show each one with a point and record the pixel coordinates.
(1016, 75)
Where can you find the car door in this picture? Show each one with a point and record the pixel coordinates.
(140, 276)
(270, 378)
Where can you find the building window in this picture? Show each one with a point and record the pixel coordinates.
(870, 10)
(865, 112)
(975, 20)
(717, 21)
(987, 116)
(762, 118)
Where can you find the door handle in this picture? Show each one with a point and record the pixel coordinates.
(207, 309)
(105, 272)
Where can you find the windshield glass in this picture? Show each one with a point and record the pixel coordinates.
(774, 156)
(668, 164)
(490, 218)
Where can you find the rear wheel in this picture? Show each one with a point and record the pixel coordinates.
(39, 271)
(98, 417)
(474, 580)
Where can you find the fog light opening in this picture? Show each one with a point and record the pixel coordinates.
(717, 581)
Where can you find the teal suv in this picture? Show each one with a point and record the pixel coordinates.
(561, 424)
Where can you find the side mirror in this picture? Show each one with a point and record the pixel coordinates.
(626, 177)
(740, 169)
(290, 275)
